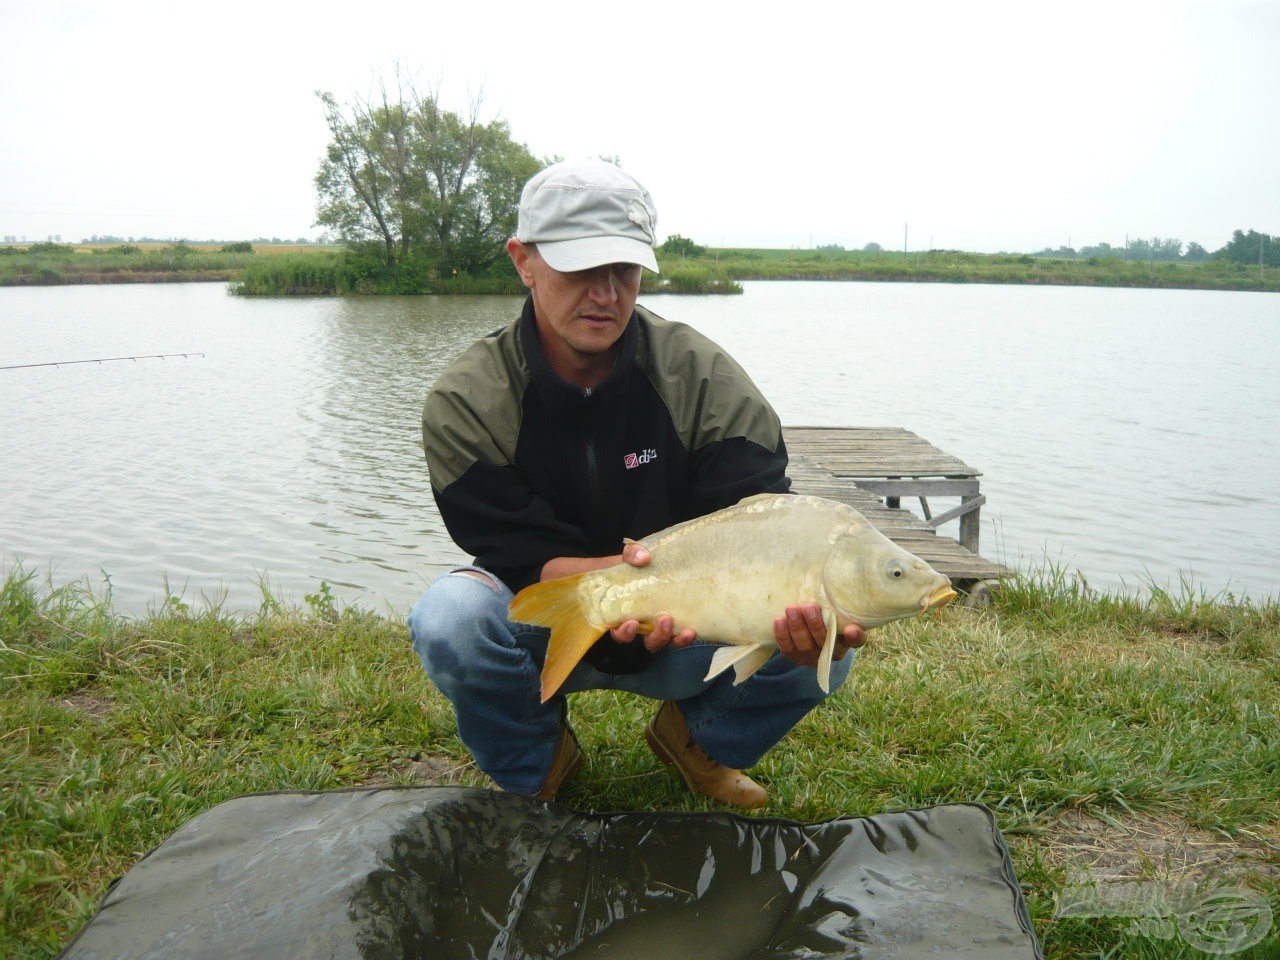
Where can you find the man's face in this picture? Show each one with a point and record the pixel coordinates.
(581, 315)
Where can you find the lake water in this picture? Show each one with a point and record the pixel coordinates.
(1127, 434)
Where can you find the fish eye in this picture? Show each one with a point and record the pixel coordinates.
(897, 570)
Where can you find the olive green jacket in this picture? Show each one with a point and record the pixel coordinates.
(526, 467)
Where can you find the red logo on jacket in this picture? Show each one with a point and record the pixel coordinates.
(633, 460)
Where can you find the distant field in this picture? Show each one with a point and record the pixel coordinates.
(156, 246)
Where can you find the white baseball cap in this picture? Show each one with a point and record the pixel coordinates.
(586, 213)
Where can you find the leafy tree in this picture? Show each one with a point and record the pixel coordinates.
(420, 181)
(1154, 249)
(364, 179)
(678, 246)
(1244, 248)
(474, 174)
(1100, 251)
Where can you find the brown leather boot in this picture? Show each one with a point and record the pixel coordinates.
(564, 765)
(668, 737)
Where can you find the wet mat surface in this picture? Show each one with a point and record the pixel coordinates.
(448, 872)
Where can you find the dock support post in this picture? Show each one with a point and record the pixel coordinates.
(970, 526)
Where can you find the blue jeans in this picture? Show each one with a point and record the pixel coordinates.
(489, 668)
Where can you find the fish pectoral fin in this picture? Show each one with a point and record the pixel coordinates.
(750, 664)
(557, 604)
(745, 659)
(828, 650)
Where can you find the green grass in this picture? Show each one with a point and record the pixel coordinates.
(1139, 736)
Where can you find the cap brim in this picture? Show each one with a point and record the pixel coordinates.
(570, 255)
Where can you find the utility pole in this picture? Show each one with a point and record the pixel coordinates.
(904, 241)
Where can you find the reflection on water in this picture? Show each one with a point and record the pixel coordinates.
(1129, 434)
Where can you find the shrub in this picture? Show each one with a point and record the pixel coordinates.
(48, 247)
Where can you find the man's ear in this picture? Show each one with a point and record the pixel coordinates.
(520, 256)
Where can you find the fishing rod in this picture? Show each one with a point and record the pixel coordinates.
(67, 363)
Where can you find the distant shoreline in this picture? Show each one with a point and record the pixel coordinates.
(297, 269)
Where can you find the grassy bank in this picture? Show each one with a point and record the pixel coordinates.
(294, 270)
(55, 264)
(952, 266)
(1134, 739)
(281, 270)
(344, 273)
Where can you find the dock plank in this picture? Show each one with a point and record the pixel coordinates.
(828, 461)
(875, 452)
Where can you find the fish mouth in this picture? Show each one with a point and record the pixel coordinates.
(938, 597)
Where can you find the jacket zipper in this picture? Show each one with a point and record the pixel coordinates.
(593, 470)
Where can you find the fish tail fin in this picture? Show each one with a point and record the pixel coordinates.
(558, 605)
(745, 660)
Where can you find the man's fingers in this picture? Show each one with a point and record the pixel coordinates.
(654, 642)
(854, 636)
(813, 620)
(635, 554)
(626, 631)
(800, 634)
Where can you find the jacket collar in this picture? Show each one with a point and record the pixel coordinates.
(561, 396)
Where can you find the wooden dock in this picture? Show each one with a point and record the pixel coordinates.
(873, 468)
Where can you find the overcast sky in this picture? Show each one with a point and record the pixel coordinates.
(979, 126)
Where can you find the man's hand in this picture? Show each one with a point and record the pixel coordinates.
(664, 629)
(800, 634)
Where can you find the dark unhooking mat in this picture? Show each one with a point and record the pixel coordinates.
(443, 872)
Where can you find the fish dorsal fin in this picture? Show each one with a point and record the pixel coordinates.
(745, 659)
(759, 498)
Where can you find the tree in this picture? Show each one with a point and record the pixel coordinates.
(1154, 249)
(678, 246)
(1100, 251)
(365, 174)
(1195, 253)
(473, 174)
(1246, 248)
(421, 181)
